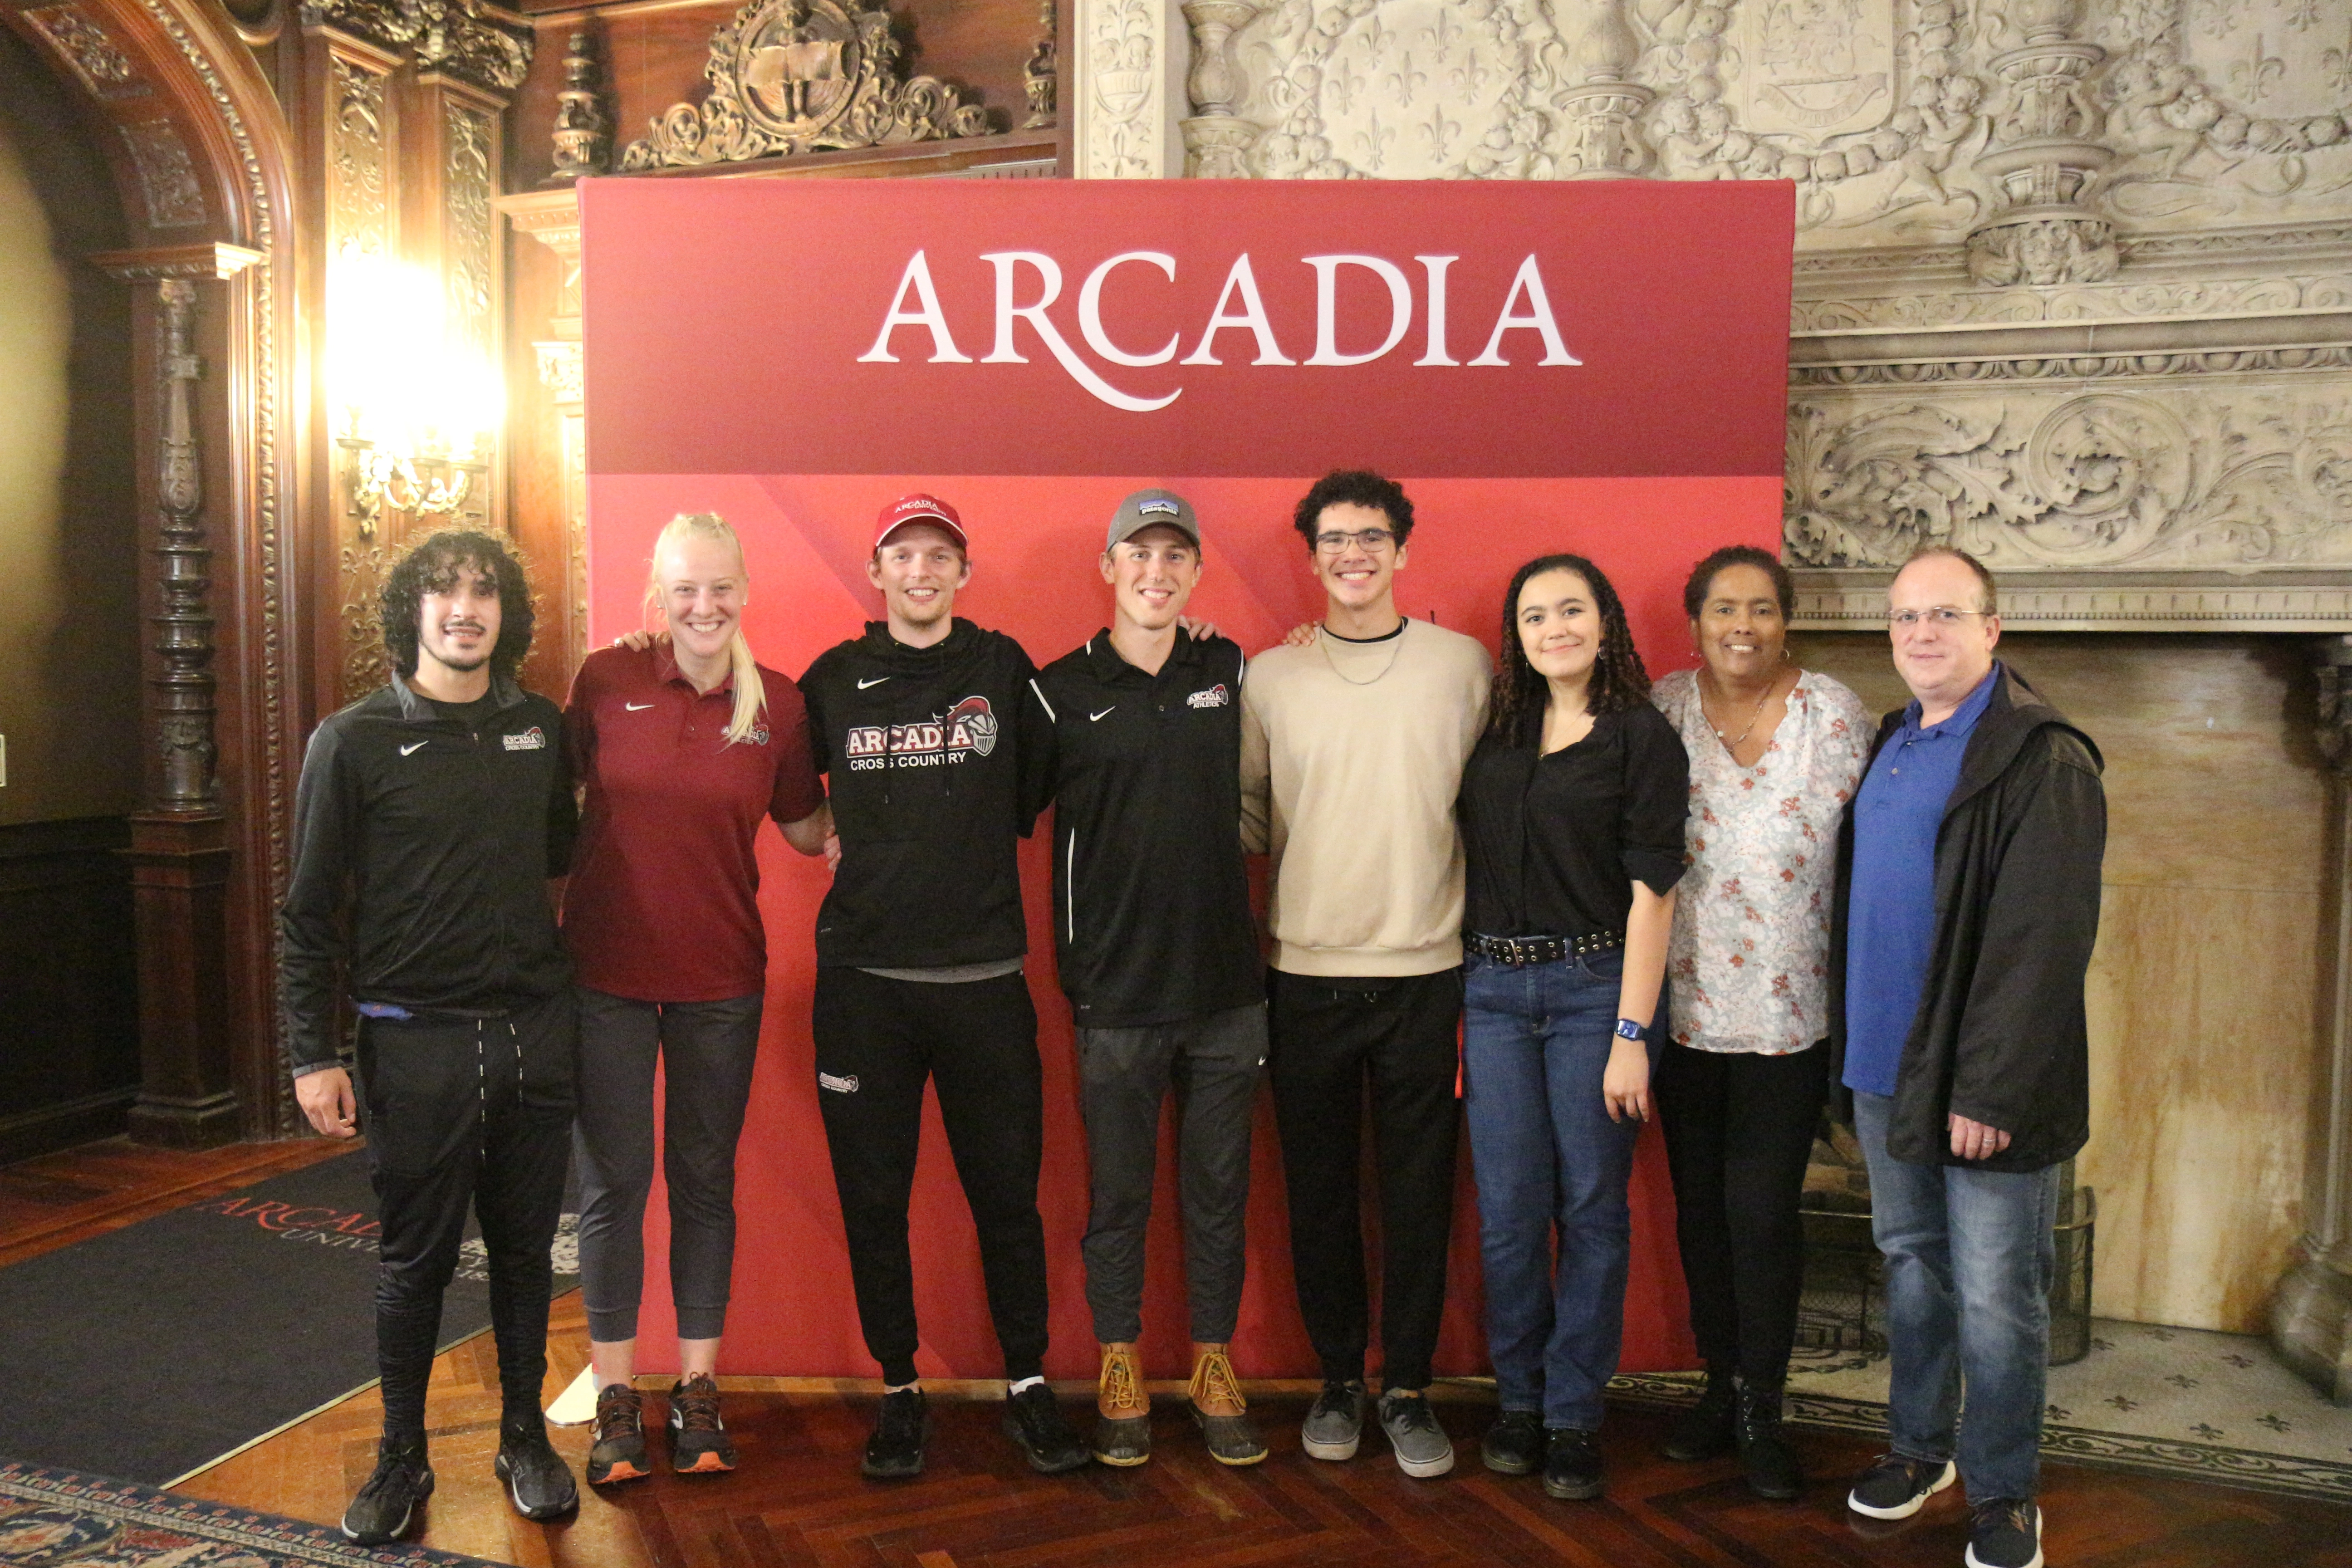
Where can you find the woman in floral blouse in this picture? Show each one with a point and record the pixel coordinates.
(1775, 753)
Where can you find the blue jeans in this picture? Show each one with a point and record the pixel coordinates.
(1535, 1043)
(1968, 1260)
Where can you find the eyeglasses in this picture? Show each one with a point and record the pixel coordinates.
(1371, 539)
(1938, 615)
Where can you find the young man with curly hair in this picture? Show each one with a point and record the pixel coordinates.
(1353, 748)
(430, 818)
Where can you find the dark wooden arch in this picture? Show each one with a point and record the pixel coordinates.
(209, 176)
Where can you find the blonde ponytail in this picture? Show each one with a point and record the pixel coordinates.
(750, 692)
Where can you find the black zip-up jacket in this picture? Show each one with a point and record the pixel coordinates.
(437, 842)
(936, 761)
(2000, 1036)
(1151, 912)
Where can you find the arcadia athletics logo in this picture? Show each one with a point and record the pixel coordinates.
(966, 729)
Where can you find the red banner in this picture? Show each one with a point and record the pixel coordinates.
(794, 355)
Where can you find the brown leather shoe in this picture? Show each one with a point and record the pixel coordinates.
(1218, 1407)
(1123, 1430)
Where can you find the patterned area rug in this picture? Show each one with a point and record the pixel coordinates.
(55, 1517)
(2180, 1403)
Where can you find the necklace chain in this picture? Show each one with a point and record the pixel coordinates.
(1395, 641)
(1733, 746)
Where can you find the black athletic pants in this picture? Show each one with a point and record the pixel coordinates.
(877, 1041)
(1739, 1132)
(1330, 1036)
(467, 1111)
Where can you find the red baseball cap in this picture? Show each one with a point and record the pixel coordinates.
(920, 508)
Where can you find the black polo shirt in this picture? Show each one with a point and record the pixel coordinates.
(1152, 915)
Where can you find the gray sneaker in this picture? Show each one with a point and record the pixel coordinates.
(1422, 1446)
(1336, 1424)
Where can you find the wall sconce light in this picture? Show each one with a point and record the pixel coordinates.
(415, 411)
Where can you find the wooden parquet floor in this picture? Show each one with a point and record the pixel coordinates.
(798, 1498)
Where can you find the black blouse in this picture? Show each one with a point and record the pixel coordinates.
(1555, 843)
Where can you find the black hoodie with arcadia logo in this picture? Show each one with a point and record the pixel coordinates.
(937, 761)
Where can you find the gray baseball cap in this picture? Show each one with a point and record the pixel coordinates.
(1151, 508)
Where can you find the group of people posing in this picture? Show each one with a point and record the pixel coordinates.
(1550, 902)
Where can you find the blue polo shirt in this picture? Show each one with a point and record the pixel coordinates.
(1891, 909)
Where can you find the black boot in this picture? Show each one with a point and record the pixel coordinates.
(1764, 1451)
(1705, 1429)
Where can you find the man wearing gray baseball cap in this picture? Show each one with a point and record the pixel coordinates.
(1159, 959)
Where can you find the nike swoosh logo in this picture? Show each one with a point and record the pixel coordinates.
(1097, 718)
(876, 681)
(637, 707)
(419, 746)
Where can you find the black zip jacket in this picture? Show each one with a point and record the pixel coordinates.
(1151, 912)
(937, 761)
(2000, 1036)
(437, 842)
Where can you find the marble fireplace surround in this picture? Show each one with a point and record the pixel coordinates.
(2073, 290)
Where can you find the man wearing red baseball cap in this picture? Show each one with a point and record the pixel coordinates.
(938, 755)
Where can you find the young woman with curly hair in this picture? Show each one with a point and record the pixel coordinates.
(1571, 814)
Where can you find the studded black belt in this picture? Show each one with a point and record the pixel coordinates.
(1519, 952)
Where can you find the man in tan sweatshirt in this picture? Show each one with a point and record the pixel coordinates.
(1352, 749)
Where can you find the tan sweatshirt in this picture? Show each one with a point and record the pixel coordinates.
(1351, 758)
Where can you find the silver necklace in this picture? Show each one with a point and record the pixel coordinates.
(1396, 640)
(1733, 745)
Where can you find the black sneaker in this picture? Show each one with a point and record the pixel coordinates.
(1514, 1445)
(699, 1444)
(1771, 1465)
(618, 1453)
(539, 1483)
(1034, 1420)
(1898, 1485)
(900, 1429)
(1571, 1465)
(401, 1479)
(1706, 1429)
(2004, 1532)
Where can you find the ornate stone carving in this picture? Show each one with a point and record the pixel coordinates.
(1039, 76)
(167, 175)
(104, 69)
(2044, 249)
(583, 137)
(1605, 140)
(2151, 477)
(788, 77)
(1126, 99)
(456, 37)
(1215, 138)
(560, 369)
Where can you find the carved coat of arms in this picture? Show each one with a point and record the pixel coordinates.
(798, 76)
(1814, 68)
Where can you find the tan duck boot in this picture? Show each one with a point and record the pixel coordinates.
(1123, 1432)
(1218, 1407)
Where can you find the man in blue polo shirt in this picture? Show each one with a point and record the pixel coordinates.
(1968, 902)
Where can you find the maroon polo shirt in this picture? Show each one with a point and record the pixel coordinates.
(662, 904)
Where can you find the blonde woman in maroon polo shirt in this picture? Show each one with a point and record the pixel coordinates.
(682, 743)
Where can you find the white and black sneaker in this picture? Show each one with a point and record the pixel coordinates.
(539, 1483)
(1898, 1485)
(2004, 1532)
(388, 1500)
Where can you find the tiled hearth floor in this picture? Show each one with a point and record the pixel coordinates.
(2164, 1401)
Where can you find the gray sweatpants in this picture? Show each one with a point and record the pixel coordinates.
(707, 1049)
(1213, 1064)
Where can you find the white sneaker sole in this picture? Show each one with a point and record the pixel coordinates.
(1905, 1510)
(1423, 1469)
(1973, 1561)
(1334, 1452)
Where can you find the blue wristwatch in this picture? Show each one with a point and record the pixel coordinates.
(1629, 1030)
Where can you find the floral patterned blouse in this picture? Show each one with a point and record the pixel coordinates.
(1749, 960)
